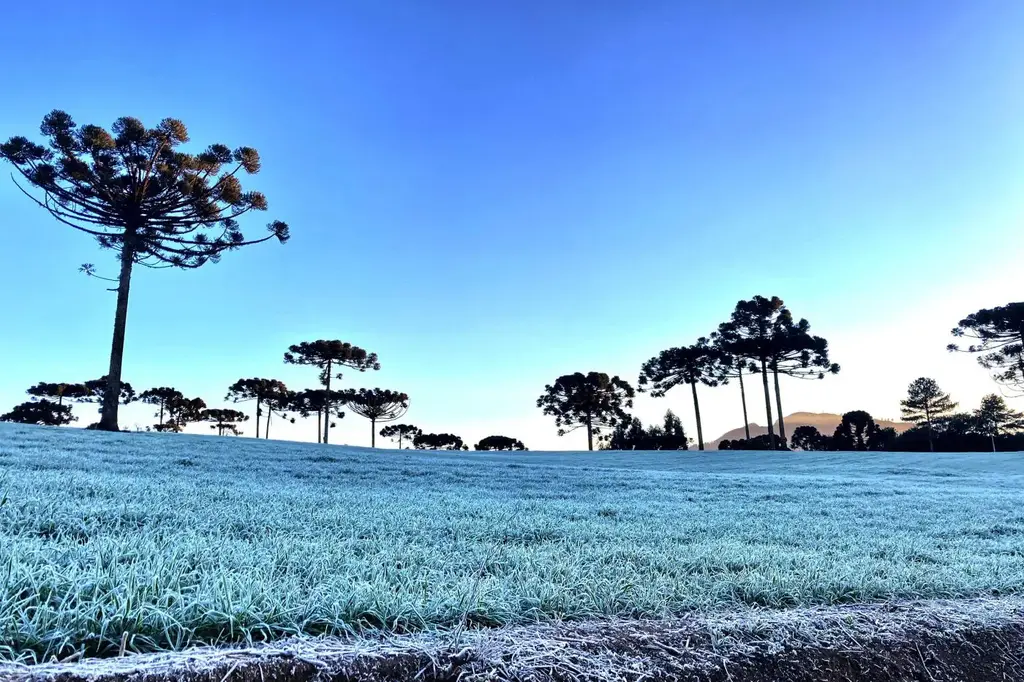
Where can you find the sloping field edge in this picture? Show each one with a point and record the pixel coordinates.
(936, 641)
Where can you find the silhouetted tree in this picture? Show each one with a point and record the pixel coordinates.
(750, 334)
(181, 412)
(164, 397)
(377, 405)
(809, 438)
(733, 367)
(60, 391)
(924, 403)
(279, 403)
(438, 441)
(700, 363)
(400, 432)
(136, 194)
(858, 432)
(995, 417)
(499, 443)
(798, 354)
(260, 390)
(632, 435)
(757, 443)
(327, 355)
(224, 420)
(592, 401)
(999, 336)
(316, 401)
(42, 412)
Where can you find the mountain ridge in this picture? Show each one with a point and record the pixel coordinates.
(825, 422)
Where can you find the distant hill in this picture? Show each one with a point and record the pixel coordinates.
(825, 422)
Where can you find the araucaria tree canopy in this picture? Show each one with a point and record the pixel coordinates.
(701, 363)
(377, 405)
(593, 401)
(499, 443)
(998, 335)
(136, 193)
(400, 433)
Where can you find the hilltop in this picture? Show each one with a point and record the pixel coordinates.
(825, 422)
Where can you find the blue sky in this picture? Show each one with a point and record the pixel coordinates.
(489, 195)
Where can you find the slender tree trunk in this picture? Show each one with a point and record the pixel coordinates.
(778, 405)
(259, 411)
(161, 412)
(373, 433)
(696, 409)
(743, 398)
(327, 403)
(270, 413)
(928, 418)
(590, 433)
(108, 413)
(319, 431)
(768, 405)
(992, 436)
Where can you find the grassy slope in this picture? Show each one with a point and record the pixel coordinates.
(184, 539)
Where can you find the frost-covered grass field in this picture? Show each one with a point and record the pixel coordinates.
(163, 541)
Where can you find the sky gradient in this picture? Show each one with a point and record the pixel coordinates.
(489, 195)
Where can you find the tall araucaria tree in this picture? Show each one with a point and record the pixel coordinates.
(165, 398)
(734, 366)
(224, 420)
(60, 391)
(137, 194)
(377, 405)
(259, 390)
(593, 401)
(328, 355)
(798, 354)
(925, 403)
(181, 412)
(700, 363)
(401, 432)
(998, 335)
(312, 401)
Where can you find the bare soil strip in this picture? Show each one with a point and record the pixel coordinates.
(933, 641)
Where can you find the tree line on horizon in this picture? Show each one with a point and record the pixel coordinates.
(137, 194)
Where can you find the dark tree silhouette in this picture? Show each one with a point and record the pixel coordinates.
(592, 401)
(181, 412)
(995, 418)
(315, 401)
(279, 403)
(734, 367)
(749, 334)
(699, 363)
(60, 391)
(809, 438)
(259, 390)
(757, 443)
(400, 432)
(438, 441)
(224, 420)
(42, 412)
(998, 335)
(377, 405)
(632, 435)
(136, 194)
(925, 403)
(165, 398)
(857, 431)
(797, 354)
(499, 443)
(327, 355)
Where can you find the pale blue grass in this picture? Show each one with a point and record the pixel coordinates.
(171, 540)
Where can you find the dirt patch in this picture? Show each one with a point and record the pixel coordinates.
(933, 641)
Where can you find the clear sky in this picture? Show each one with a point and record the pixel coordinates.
(491, 194)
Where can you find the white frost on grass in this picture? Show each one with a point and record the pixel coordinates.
(170, 541)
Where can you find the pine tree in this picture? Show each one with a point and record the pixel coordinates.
(165, 398)
(700, 363)
(41, 412)
(499, 443)
(224, 420)
(995, 418)
(593, 401)
(261, 391)
(400, 432)
(327, 355)
(138, 195)
(999, 333)
(438, 441)
(925, 403)
(377, 405)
